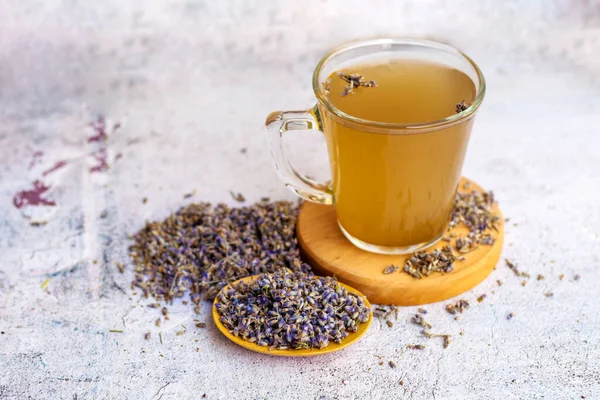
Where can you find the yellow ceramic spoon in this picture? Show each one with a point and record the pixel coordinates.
(348, 340)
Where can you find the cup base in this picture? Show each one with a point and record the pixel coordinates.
(389, 250)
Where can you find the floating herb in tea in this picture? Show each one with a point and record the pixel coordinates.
(326, 87)
(285, 310)
(354, 81)
(462, 106)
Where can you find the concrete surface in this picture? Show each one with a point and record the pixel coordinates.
(190, 83)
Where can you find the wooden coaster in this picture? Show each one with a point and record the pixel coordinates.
(327, 250)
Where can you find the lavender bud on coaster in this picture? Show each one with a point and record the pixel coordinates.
(287, 310)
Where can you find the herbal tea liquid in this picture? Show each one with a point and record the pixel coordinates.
(397, 189)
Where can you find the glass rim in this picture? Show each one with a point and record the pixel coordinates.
(429, 125)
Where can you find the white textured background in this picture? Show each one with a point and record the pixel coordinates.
(191, 83)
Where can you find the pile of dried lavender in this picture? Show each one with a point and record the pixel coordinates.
(424, 263)
(286, 310)
(202, 248)
(474, 209)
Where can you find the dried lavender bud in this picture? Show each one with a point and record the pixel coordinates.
(237, 197)
(446, 337)
(383, 312)
(481, 298)
(473, 209)
(200, 248)
(354, 81)
(447, 340)
(458, 307)
(418, 320)
(391, 269)
(548, 294)
(147, 335)
(540, 277)
(421, 311)
(120, 267)
(510, 316)
(326, 87)
(415, 346)
(516, 270)
(285, 310)
(392, 364)
(201, 325)
(424, 263)
(389, 323)
(576, 277)
(462, 106)
(190, 194)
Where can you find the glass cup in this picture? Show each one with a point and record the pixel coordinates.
(387, 200)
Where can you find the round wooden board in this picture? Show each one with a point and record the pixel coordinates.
(327, 250)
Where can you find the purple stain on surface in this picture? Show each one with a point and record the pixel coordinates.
(33, 197)
(101, 157)
(55, 167)
(100, 130)
(99, 127)
(36, 159)
(101, 136)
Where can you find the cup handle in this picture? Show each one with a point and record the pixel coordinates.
(279, 122)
